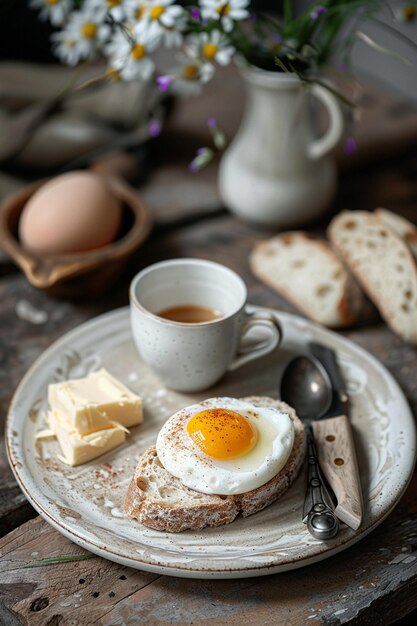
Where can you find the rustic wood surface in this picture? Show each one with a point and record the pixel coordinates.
(374, 582)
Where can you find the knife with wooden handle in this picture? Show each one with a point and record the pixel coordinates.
(335, 445)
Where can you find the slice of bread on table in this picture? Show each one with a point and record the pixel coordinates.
(383, 264)
(405, 229)
(307, 273)
(159, 500)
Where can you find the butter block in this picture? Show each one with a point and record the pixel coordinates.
(94, 402)
(78, 449)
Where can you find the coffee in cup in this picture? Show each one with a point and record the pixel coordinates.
(188, 319)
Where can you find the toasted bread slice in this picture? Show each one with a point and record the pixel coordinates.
(384, 266)
(405, 229)
(159, 500)
(307, 273)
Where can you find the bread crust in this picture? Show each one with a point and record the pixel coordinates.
(382, 264)
(187, 509)
(347, 308)
(401, 226)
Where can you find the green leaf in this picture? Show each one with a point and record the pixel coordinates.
(287, 11)
(60, 559)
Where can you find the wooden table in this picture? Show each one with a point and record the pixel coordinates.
(373, 582)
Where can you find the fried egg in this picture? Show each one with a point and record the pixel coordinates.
(225, 446)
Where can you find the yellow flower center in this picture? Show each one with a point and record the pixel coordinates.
(190, 72)
(157, 11)
(138, 51)
(140, 10)
(113, 3)
(409, 13)
(52, 2)
(209, 50)
(89, 30)
(223, 9)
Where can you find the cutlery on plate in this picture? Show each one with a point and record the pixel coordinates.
(306, 386)
(318, 511)
(335, 444)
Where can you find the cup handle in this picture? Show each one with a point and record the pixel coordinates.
(265, 346)
(319, 147)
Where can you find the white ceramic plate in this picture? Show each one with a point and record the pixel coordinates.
(85, 503)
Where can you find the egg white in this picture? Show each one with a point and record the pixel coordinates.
(182, 458)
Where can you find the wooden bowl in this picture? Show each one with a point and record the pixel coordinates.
(77, 275)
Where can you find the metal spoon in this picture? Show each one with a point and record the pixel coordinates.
(306, 386)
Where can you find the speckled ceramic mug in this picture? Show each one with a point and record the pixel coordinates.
(193, 356)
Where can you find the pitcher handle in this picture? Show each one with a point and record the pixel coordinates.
(319, 147)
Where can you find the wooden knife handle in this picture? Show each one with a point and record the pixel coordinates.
(337, 458)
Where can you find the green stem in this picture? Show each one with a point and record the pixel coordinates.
(60, 559)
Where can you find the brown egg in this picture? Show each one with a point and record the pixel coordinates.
(74, 212)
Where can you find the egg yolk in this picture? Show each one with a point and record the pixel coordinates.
(221, 433)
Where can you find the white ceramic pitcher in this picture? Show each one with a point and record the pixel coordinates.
(276, 171)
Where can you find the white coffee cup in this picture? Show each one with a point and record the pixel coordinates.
(193, 356)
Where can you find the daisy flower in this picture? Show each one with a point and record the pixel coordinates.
(163, 15)
(129, 55)
(189, 80)
(209, 47)
(227, 11)
(56, 11)
(84, 34)
(135, 10)
(187, 77)
(406, 12)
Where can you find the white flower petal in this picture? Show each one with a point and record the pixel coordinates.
(224, 56)
(216, 36)
(176, 10)
(206, 72)
(227, 23)
(238, 14)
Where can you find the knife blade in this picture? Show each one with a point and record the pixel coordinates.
(335, 444)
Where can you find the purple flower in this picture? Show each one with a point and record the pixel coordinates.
(342, 68)
(154, 128)
(252, 16)
(195, 13)
(277, 38)
(349, 146)
(204, 22)
(319, 10)
(193, 167)
(164, 82)
(212, 122)
(202, 158)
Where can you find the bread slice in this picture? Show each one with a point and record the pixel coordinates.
(159, 500)
(305, 271)
(384, 266)
(402, 227)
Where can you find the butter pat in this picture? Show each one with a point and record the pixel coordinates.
(92, 403)
(76, 448)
